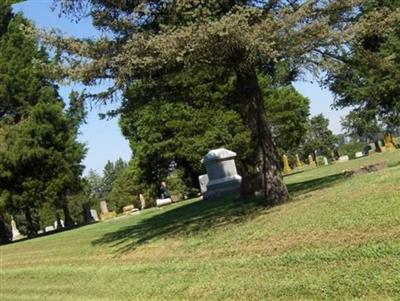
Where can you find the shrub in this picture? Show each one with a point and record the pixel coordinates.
(351, 148)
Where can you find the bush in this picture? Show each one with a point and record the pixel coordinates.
(351, 148)
(176, 184)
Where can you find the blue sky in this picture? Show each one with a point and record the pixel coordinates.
(104, 138)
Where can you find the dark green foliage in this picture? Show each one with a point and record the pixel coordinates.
(40, 158)
(75, 202)
(361, 125)
(5, 17)
(351, 148)
(171, 130)
(126, 190)
(42, 161)
(95, 183)
(111, 172)
(5, 227)
(21, 82)
(104, 188)
(319, 137)
(288, 112)
(162, 133)
(177, 187)
(370, 75)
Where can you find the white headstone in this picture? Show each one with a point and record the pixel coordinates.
(163, 202)
(62, 224)
(49, 228)
(203, 181)
(142, 201)
(325, 161)
(343, 158)
(103, 207)
(94, 215)
(359, 154)
(14, 229)
(221, 172)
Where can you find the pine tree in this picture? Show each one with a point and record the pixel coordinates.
(319, 137)
(40, 158)
(367, 74)
(21, 82)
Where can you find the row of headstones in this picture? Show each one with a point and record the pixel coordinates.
(222, 178)
(386, 145)
(89, 215)
(311, 162)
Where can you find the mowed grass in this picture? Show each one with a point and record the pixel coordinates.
(338, 239)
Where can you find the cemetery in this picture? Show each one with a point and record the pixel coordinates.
(336, 229)
(199, 150)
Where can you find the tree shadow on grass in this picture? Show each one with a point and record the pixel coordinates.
(185, 220)
(315, 184)
(198, 216)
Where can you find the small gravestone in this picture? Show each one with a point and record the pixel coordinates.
(325, 159)
(311, 161)
(221, 172)
(105, 214)
(343, 159)
(203, 181)
(94, 215)
(299, 165)
(103, 207)
(163, 202)
(49, 229)
(56, 224)
(15, 232)
(359, 154)
(389, 143)
(142, 201)
(40, 232)
(286, 168)
(129, 209)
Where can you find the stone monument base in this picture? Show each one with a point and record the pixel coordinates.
(107, 215)
(163, 202)
(223, 187)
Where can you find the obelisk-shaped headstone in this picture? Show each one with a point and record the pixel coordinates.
(14, 229)
(286, 168)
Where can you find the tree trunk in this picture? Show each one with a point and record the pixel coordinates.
(68, 221)
(4, 232)
(30, 226)
(266, 156)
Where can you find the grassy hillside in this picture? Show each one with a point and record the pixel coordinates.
(339, 239)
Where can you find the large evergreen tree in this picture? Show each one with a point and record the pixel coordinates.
(367, 73)
(41, 163)
(154, 41)
(162, 133)
(361, 125)
(288, 112)
(319, 137)
(40, 159)
(21, 83)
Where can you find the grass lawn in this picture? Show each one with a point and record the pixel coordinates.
(339, 239)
